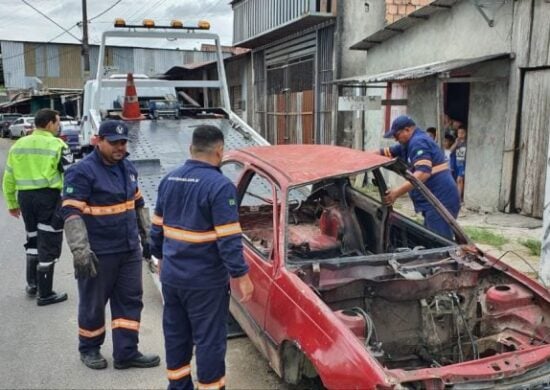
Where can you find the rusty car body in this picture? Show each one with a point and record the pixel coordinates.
(351, 292)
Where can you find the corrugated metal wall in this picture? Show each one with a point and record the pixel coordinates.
(13, 60)
(60, 65)
(254, 17)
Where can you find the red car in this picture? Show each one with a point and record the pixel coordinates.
(352, 293)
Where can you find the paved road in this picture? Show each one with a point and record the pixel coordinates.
(38, 345)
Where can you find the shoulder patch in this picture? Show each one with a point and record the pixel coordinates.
(420, 152)
(232, 202)
(69, 190)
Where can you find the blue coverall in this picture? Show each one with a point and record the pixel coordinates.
(105, 197)
(422, 154)
(195, 230)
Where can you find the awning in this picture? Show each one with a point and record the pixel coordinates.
(419, 72)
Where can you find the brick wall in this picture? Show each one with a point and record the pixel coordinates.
(396, 9)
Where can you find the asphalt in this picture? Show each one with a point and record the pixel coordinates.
(38, 345)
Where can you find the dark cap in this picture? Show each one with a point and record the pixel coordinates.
(399, 123)
(113, 130)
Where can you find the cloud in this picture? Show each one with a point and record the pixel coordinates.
(19, 22)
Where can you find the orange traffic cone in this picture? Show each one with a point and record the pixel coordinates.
(130, 110)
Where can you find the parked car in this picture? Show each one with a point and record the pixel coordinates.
(6, 119)
(351, 292)
(69, 131)
(21, 127)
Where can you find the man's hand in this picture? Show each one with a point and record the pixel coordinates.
(390, 197)
(85, 265)
(85, 261)
(15, 212)
(246, 287)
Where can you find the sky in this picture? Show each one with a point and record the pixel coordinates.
(19, 21)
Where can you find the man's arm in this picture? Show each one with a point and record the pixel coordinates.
(225, 216)
(156, 232)
(8, 187)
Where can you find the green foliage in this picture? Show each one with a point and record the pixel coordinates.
(486, 236)
(533, 246)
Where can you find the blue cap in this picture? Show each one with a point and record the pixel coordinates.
(399, 123)
(113, 130)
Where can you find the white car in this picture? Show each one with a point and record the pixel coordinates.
(21, 127)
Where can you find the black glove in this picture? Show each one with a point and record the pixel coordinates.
(146, 250)
(85, 261)
(85, 266)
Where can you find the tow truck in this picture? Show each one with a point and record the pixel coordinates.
(160, 141)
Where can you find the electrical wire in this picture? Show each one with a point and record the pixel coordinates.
(460, 311)
(105, 11)
(51, 20)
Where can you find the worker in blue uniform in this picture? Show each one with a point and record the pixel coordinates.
(428, 164)
(102, 207)
(196, 234)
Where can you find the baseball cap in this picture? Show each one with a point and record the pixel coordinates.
(399, 123)
(113, 130)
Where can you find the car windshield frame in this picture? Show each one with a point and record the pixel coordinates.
(400, 168)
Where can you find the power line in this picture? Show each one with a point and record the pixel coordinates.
(104, 12)
(51, 20)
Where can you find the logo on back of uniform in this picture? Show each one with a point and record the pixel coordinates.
(119, 129)
(132, 177)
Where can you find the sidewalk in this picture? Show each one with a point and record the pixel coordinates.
(512, 227)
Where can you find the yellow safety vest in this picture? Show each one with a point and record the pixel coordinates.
(33, 163)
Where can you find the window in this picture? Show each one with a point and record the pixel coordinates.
(256, 215)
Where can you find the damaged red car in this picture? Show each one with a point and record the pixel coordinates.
(357, 295)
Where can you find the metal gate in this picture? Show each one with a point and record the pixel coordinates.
(533, 151)
(290, 102)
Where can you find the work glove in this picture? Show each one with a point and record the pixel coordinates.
(146, 253)
(144, 227)
(85, 261)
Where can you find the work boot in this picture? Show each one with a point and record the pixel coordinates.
(140, 361)
(32, 263)
(45, 281)
(93, 360)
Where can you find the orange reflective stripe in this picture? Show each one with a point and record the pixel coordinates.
(212, 386)
(427, 163)
(75, 203)
(138, 195)
(440, 168)
(91, 333)
(157, 220)
(189, 235)
(179, 372)
(228, 230)
(125, 324)
(111, 209)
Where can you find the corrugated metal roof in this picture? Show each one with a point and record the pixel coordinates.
(404, 24)
(418, 72)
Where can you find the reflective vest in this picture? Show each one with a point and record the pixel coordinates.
(34, 162)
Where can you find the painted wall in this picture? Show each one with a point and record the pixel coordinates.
(447, 35)
(487, 123)
(422, 102)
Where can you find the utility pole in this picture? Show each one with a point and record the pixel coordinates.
(85, 48)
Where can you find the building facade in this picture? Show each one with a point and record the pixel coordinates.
(485, 64)
(39, 65)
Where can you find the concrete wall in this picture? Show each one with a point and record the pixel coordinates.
(486, 122)
(460, 32)
(422, 102)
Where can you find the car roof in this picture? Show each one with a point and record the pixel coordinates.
(309, 162)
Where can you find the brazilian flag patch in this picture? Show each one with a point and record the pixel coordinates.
(232, 202)
(69, 190)
(420, 152)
